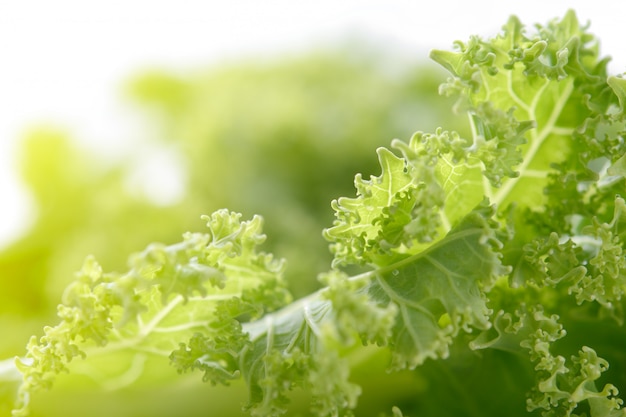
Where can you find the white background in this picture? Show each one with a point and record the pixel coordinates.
(63, 61)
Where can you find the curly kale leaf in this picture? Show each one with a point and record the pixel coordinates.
(168, 294)
(510, 240)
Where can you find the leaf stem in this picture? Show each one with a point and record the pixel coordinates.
(536, 143)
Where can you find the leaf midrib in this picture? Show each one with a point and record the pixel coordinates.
(536, 142)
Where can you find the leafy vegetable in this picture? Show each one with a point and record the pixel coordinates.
(485, 270)
(263, 129)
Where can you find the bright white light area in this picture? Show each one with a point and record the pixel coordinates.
(63, 61)
(158, 175)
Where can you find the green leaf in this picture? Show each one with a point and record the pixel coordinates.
(504, 247)
(618, 85)
(110, 321)
(543, 80)
(415, 307)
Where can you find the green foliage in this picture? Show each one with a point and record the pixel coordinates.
(252, 137)
(481, 271)
(87, 204)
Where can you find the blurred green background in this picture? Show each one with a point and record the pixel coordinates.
(279, 137)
